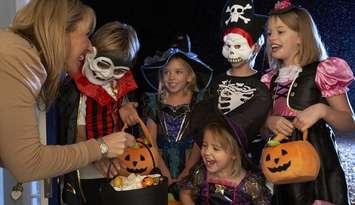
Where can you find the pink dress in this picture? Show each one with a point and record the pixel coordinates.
(331, 77)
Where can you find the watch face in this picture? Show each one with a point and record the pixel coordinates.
(103, 148)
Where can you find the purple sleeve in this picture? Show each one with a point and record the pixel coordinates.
(333, 77)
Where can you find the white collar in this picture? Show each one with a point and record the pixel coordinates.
(288, 73)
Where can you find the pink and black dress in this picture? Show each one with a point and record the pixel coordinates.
(296, 88)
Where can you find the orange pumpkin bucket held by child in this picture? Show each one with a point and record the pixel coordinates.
(290, 162)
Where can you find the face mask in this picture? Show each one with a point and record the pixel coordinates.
(101, 70)
(236, 48)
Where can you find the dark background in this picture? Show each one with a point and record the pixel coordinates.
(157, 21)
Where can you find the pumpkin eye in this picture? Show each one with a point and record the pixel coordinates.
(142, 158)
(127, 158)
(268, 157)
(283, 152)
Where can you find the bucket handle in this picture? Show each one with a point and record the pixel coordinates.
(279, 137)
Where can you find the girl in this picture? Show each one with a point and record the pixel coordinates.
(309, 93)
(226, 176)
(169, 112)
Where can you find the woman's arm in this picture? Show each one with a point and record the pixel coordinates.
(22, 76)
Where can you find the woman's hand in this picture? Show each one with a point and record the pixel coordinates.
(117, 142)
(278, 124)
(128, 113)
(306, 118)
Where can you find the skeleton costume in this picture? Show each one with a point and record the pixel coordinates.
(173, 138)
(243, 98)
(208, 190)
(297, 88)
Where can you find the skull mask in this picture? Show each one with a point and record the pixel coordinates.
(101, 70)
(236, 48)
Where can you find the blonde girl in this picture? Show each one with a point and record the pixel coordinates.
(309, 93)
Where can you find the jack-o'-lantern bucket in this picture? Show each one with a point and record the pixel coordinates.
(139, 160)
(291, 161)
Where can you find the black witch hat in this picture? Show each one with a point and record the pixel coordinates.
(152, 65)
(238, 17)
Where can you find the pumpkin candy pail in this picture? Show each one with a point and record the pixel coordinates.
(289, 162)
(140, 159)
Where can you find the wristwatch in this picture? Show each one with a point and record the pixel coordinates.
(103, 146)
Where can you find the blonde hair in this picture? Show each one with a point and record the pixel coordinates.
(311, 48)
(190, 87)
(117, 41)
(228, 143)
(45, 23)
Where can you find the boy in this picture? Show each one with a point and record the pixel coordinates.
(238, 92)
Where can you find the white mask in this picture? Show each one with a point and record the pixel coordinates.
(236, 48)
(101, 70)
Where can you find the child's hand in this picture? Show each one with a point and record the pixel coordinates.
(171, 181)
(278, 124)
(306, 118)
(128, 113)
(183, 174)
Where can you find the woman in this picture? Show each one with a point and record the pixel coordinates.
(45, 39)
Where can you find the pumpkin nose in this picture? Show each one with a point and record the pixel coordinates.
(276, 160)
(135, 163)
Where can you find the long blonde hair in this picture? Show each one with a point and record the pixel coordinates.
(311, 48)
(118, 41)
(190, 87)
(45, 23)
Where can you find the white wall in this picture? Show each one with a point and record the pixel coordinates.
(7, 12)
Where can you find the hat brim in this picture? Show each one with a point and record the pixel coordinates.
(203, 72)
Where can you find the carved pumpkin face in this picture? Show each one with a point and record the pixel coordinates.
(290, 162)
(138, 160)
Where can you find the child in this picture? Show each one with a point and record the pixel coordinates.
(238, 92)
(226, 176)
(181, 83)
(309, 93)
(103, 84)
